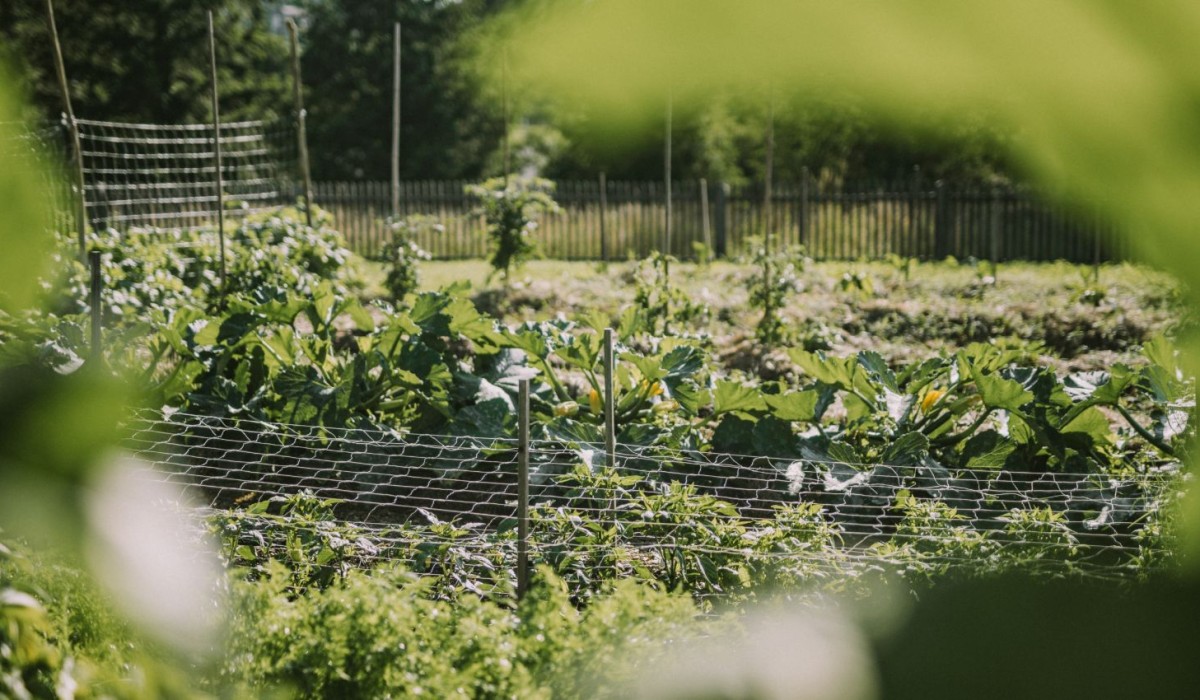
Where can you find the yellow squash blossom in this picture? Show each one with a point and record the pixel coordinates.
(931, 397)
(594, 401)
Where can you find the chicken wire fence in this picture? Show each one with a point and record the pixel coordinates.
(659, 508)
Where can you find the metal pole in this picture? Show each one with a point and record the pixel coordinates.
(396, 122)
(94, 301)
(301, 123)
(216, 124)
(522, 488)
(666, 248)
(73, 131)
(610, 422)
(603, 216)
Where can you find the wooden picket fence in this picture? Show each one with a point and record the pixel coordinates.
(927, 220)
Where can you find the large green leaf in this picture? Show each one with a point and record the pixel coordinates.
(493, 418)
(733, 396)
(795, 405)
(1000, 393)
(1090, 422)
(907, 450)
(987, 450)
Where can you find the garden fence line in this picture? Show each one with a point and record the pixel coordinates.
(163, 176)
(402, 490)
(916, 218)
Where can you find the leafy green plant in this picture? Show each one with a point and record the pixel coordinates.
(660, 307)
(857, 283)
(511, 206)
(775, 279)
(404, 255)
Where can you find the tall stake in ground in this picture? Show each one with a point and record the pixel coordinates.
(522, 488)
(504, 114)
(610, 422)
(94, 301)
(666, 247)
(768, 174)
(73, 130)
(301, 123)
(216, 126)
(396, 122)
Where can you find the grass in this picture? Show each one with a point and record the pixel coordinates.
(937, 307)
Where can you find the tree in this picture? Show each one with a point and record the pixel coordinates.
(448, 127)
(147, 60)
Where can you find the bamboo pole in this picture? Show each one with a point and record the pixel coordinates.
(216, 126)
(301, 123)
(768, 175)
(396, 66)
(73, 130)
(504, 116)
(666, 247)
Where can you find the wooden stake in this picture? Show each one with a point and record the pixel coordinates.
(73, 130)
(216, 125)
(504, 111)
(396, 122)
(301, 123)
(522, 488)
(610, 423)
(768, 174)
(705, 224)
(666, 247)
(94, 301)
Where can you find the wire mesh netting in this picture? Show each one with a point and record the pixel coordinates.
(163, 176)
(407, 491)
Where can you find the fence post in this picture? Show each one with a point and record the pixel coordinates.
(722, 220)
(522, 489)
(72, 131)
(941, 247)
(994, 253)
(804, 207)
(603, 217)
(914, 199)
(610, 423)
(301, 122)
(705, 224)
(216, 125)
(94, 302)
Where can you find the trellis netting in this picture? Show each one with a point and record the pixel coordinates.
(656, 504)
(163, 176)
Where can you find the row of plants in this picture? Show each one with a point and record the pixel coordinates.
(322, 609)
(438, 366)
